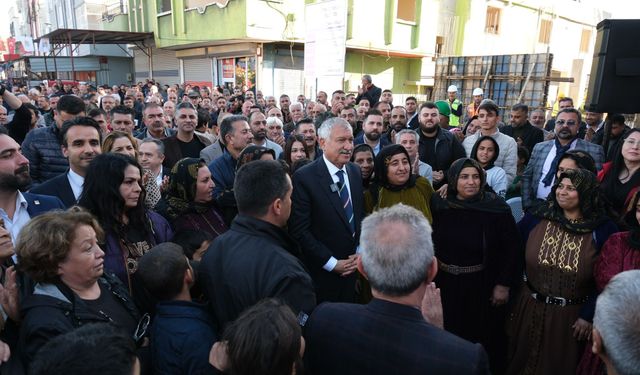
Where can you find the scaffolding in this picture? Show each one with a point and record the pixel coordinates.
(506, 79)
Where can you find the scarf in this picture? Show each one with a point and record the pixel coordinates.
(496, 149)
(591, 204)
(381, 168)
(560, 150)
(182, 189)
(484, 201)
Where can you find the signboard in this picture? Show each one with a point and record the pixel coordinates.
(228, 67)
(325, 43)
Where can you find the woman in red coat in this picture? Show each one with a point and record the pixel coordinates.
(620, 253)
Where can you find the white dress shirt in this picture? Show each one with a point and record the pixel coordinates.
(331, 263)
(76, 181)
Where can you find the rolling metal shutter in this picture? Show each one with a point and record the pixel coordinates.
(197, 70)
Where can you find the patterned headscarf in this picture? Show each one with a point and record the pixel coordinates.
(182, 188)
(253, 153)
(591, 205)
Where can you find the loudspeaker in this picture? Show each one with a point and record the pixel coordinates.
(614, 82)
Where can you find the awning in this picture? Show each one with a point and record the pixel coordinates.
(79, 36)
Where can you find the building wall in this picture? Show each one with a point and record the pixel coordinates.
(520, 27)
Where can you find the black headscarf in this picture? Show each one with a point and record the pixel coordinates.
(496, 148)
(591, 205)
(253, 153)
(381, 168)
(363, 147)
(485, 201)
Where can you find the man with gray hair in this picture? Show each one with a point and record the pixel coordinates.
(328, 205)
(151, 156)
(409, 139)
(368, 91)
(391, 333)
(616, 324)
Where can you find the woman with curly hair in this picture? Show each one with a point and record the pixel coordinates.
(550, 321)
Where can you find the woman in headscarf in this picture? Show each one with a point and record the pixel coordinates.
(363, 156)
(395, 183)
(189, 199)
(550, 321)
(476, 243)
(253, 153)
(486, 151)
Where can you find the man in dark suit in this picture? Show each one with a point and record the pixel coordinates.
(326, 213)
(80, 144)
(400, 330)
(17, 208)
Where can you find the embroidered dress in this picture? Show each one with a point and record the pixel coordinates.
(559, 264)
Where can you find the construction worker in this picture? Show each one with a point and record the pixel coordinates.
(455, 105)
(472, 109)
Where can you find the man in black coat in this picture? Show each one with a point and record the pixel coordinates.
(368, 91)
(400, 330)
(256, 258)
(328, 205)
(521, 129)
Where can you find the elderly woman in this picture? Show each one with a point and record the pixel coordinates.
(59, 251)
(189, 199)
(113, 193)
(551, 319)
(123, 143)
(395, 183)
(477, 243)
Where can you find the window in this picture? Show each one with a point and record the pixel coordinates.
(164, 6)
(585, 41)
(439, 45)
(493, 21)
(406, 10)
(545, 31)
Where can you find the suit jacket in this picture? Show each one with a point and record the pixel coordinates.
(57, 187)
(212, 152)
(373, 95)
(385, 338)
(319, 224)
(533, 173)
(172, 151)
(39, 204)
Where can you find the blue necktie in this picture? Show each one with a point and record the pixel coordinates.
(346, 201)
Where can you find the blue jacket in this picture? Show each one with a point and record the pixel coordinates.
(42, 147)
(181, 338)
(39, 204)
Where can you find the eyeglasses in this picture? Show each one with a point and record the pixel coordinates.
(568, 122)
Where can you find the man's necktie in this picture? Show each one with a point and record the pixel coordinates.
(346, 201)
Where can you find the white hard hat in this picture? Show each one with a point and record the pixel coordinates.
(478, 91)
(452, 88)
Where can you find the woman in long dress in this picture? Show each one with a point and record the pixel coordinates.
(476, 243)
(550, 321)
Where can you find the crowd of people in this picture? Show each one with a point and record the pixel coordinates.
(188, 230)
